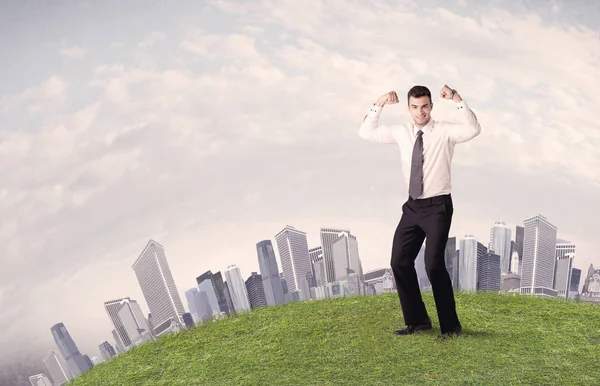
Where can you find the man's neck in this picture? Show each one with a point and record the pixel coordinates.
(421, 126)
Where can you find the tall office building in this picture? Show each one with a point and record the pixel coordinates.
(500, 241)
(328, 237)
(293, 252)
(519, 237)
(237, 289)
(134, 322)
(208, 282)
(514, 262)
(470, 251)
(565, 253)
(228, 297)
(40, 380)
(106, 350)
(318, 266)
(591, 285)
(345, 257)
(193, 302)
(112, 308)
(199, 303)
(206, 285)
(488, 272)
(256, 291)
(119, 345)
(57, 369)
(156, 281)
(76, 362)
(269, 271)
(575, 280)
(539, 257)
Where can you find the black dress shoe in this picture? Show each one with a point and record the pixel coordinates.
(411, 329)
(450, 334)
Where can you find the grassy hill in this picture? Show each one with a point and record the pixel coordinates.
(506, 340)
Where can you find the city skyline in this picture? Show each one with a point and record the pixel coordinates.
(468, 244)
(211, 126)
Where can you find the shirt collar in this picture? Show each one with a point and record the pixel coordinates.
(426, 129)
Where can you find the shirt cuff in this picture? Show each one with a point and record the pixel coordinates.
(462, 105)
(374, 109)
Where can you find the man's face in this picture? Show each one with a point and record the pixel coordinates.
(420, 109)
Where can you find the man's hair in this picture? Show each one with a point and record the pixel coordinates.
(418, 92)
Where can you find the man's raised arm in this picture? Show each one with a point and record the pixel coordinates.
(470, 128)
(370, 129)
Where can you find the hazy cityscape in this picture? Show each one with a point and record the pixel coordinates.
(529, 259)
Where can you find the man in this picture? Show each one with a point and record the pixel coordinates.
(426, 150)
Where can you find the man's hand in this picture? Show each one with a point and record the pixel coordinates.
(446, 93)
(387, 98)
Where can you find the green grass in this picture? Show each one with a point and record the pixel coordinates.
(348, 341)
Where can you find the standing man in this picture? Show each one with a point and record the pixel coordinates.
(426, 149)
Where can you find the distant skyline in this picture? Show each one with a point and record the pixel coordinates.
(211, 126)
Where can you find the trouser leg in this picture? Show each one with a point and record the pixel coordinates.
(436, 224)
(407, 242)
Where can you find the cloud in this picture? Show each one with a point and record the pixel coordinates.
(50, 94)
(152, 39)
(74, 52)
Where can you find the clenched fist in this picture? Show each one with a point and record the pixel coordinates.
(387, 98)
(448, 93)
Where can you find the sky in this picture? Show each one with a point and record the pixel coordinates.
(210, 126)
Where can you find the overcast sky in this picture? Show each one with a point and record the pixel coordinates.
(208, 126)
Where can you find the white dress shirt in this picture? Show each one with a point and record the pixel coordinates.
(439, 138)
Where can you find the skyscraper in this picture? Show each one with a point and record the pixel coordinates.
(470, 251)
(269, 271)
(40, 380)
(237, 289)
(112, 308)
(256, 291)
(519, 237)
(57, 369)
(209, 281)
(199, 303)
(500, 239)
(318, 265)
(565, 253)
(488, 272)
(293, 252)
(67, 347)
(539, 257)
(575, 279)
(328, 237)
(133, 321)
(206, 285)
(345, 256)
(514, 262)
(106, 350)
(591, 285)
(156, 281)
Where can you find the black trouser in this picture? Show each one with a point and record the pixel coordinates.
(429, 219)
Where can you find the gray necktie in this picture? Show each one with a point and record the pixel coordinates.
(416, 169)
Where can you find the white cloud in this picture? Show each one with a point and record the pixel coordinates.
(152, 39)
(74, 52)
(50, 94)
